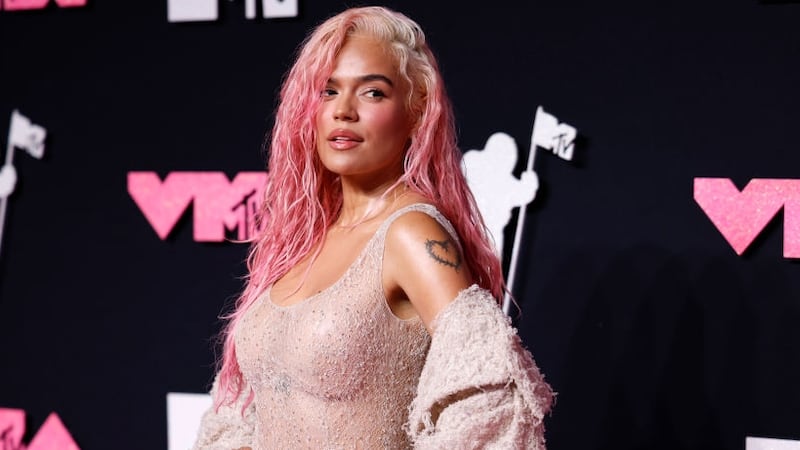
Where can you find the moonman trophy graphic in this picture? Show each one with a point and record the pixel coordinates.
(497, 191)
(27, 136)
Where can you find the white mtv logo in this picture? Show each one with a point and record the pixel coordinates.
(758, 443)
(184, 413)
(208, 10)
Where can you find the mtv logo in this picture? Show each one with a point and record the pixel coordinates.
(208, 10)
(184, 413)
(192, 10)
(759, 443)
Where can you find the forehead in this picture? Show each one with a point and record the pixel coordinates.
(364, 55)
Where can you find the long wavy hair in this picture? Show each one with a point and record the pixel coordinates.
(302, 198)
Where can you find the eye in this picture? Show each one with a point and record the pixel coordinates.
(374, 93)
(328, 92)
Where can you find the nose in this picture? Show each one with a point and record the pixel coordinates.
(344, 109)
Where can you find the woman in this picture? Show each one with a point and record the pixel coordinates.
(370, 316)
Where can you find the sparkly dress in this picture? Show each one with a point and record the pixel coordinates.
(337, 370)
(340, 371)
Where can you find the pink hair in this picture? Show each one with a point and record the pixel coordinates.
(302, 199)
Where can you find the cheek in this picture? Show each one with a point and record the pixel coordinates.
(319, 127)
(390, 122)
(318, 117)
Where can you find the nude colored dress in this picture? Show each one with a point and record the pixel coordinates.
(340, 371)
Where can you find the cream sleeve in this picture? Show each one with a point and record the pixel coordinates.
(480, 387)
(227, 427)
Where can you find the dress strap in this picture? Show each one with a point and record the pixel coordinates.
(426, 208)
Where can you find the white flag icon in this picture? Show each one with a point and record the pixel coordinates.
(549, 134)
(25, 135)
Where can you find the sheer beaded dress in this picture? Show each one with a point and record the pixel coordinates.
(337, 370)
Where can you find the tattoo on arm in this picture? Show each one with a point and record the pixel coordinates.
(444, 252)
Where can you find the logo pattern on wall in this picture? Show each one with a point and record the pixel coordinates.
(734, 213)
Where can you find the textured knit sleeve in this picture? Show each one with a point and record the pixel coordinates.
(228, 427)
(480, 387)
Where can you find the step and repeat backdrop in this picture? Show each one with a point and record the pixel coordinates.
(638, 162)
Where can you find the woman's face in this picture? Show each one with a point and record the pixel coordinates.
(362, 124)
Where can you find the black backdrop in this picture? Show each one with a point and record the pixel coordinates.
(655, 333)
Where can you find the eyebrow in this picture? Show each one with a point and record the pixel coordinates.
(369, 77)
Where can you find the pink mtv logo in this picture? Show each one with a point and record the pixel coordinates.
(17, 5)
(218, 204)
(51, 436)
(742, 215)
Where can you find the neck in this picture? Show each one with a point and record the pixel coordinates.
(360, 204)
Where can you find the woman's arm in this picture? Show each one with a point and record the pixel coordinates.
(479, 386)
(424, 264)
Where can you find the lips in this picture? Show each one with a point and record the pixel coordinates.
(344, 135)
(344, 139)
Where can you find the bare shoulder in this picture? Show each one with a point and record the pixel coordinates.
(424, 262)
(415, 231)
